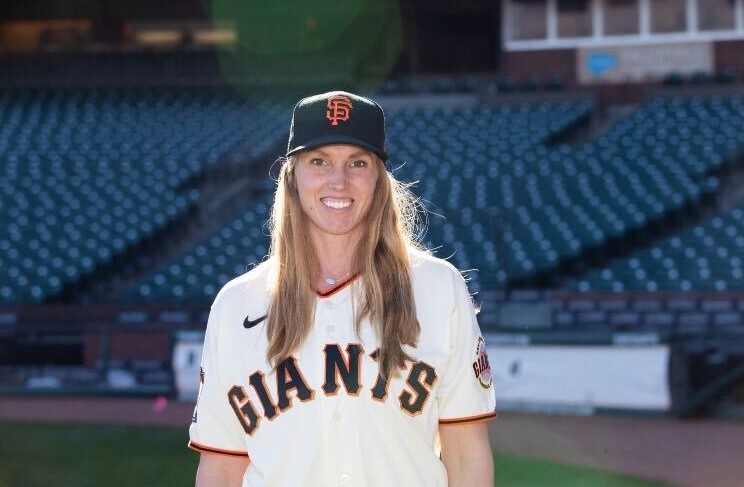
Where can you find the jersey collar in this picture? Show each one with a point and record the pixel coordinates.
(338, 287)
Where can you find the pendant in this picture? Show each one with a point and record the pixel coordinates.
(329, 281)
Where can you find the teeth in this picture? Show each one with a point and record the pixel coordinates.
(336, 203)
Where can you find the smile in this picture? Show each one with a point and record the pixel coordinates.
(337, 203)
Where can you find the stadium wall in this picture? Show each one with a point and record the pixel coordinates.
(88, 336)
(520, 65)
(546, 63)
(728, 54)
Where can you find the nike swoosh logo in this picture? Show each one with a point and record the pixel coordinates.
(249, 323)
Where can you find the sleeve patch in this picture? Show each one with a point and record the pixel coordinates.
(201, 387)
(481, 367)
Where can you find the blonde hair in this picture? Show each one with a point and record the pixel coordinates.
(381, 257)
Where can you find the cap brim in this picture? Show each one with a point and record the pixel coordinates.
(336, 139)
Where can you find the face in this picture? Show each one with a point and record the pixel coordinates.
(336, 184)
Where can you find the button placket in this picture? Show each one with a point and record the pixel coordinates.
(327, 315)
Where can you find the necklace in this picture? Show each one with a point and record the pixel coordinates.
(331, 281)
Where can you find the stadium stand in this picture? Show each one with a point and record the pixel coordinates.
(87, 173)
(706, 257)
(562, 200)
(223, 255)
(513, 205)
(680, 314)
(439, 156)
(480, 163)
(702, 137)
(508, 209)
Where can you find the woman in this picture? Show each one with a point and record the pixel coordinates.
(349, 357)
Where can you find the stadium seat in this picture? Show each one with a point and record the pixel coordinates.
(92, 172)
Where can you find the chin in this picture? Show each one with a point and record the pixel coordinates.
(340, 231)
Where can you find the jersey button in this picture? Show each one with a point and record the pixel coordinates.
(330, 328)
(337, 416)
(343, 479)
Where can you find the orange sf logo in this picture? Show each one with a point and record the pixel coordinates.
(339, 108)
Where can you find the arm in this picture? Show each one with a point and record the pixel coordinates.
(466, 454)
(215, 430)
(216, 470)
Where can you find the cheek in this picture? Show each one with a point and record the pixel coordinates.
(367, 186)
(305, 193)
(305, 203)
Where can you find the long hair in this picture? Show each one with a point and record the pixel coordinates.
(381, 257)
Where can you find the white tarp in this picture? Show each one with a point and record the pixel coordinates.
(187, 353)
(581, 377)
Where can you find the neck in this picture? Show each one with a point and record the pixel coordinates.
(335, 253)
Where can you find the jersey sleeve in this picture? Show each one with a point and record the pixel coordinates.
(214, 426)
(466, 392)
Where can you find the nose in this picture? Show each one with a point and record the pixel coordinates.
(338, 178)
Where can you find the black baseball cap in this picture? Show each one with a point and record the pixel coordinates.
(337, 117)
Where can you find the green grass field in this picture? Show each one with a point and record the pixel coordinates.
(41, 455)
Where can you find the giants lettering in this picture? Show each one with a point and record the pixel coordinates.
(348, 368)
(339, 364)
(421, 376)
(257, 381)
(289, 377)
(380, 390)
(244, 410)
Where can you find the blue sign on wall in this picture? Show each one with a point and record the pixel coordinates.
(598, 63)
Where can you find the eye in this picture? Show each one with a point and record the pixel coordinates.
(359, 163)
(316, 161)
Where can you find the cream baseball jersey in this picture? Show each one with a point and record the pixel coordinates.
(325, 416)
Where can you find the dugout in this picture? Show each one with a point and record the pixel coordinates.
(121, 350)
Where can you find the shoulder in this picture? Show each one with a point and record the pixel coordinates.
(425, 266)
(435, 278)
(252, 286)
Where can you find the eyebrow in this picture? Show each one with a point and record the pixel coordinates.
(353, 154)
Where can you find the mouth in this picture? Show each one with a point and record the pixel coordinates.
(337, 203)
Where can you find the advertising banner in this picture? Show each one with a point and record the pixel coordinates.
(647, 62)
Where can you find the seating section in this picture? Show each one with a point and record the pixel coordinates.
(447, 149)
(197, 275)
(479, 171)
(706, 257)
(505, 202)
(684, 315)
(87, 173)
(515, 206)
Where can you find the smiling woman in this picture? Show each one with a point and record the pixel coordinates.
(370, 366)
(335, 184)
